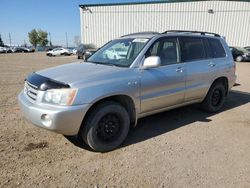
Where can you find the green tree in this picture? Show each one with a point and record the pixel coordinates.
(33, 37)
(42, 38)
(1, 41)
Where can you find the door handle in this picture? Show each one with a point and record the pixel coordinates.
(211, 64)
(179, 69)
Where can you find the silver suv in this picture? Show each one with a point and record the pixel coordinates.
(128, 78)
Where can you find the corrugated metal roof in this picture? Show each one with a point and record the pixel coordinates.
(141, 2)
(133, 3)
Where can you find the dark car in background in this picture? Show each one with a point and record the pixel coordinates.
(81, 50)
(240, 54)
(20, 49)
(84, 52)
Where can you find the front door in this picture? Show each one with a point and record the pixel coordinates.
(163, 86)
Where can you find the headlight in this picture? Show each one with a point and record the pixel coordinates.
(60, 96)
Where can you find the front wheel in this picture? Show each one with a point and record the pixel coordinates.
(239, 59)
(215, 98)
(106, 127)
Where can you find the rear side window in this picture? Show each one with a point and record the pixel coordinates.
(192, 48)
(216, 48)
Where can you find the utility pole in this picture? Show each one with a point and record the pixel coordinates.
(24, 42)
(66, 39)
(10, 39)
(50, 40)
(1, 41)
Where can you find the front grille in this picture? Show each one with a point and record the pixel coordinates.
(31, 91)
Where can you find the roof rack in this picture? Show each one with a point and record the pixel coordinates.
(142, 33)
(186, 31)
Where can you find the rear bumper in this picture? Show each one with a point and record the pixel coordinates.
(232, 81)
(65, 120)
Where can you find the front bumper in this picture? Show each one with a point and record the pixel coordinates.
(65, 120)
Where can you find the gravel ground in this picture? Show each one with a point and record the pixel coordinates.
(180, 148)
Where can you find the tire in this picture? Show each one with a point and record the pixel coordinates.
(239, 59)
(106, 127)
(215, 98)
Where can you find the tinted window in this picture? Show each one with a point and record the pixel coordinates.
(192, 48)
(217, 48)
(166, 49)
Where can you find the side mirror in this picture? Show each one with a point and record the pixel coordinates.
(151, 62)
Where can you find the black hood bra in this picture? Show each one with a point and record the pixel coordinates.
(43, 83)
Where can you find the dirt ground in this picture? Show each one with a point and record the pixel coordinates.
(180, 148)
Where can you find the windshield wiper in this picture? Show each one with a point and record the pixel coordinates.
(102, 63)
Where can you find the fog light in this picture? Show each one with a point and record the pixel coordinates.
(46, 120)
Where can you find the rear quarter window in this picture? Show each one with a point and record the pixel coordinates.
(217, 49)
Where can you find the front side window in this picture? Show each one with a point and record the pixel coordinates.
(120, 52)
(166, 49)
(192, 49)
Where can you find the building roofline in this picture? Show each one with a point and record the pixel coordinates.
(135, 3)
(146, 2)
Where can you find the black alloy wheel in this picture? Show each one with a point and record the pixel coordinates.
(216, 97)
(109, 128)
(106, 126)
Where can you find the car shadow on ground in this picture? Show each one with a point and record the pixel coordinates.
(164, 122)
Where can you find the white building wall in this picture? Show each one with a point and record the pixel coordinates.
(230, 19)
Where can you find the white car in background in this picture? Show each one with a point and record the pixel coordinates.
(115, 53)
(2, 49)
(59, 51)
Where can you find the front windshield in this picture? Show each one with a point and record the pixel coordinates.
(120, 52)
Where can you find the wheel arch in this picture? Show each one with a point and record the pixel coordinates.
(223, 80)
(124, 100)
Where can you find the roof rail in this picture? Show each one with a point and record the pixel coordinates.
(142, 33)
(186, 31)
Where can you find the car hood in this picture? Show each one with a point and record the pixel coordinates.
(78, 73)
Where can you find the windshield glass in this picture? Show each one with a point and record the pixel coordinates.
(242, 49)
(120, 52)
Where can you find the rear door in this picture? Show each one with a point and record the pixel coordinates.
(201, 69)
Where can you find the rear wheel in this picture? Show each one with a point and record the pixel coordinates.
(106, 127)
(215, 98)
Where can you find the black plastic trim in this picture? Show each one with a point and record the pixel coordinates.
(44, 83)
